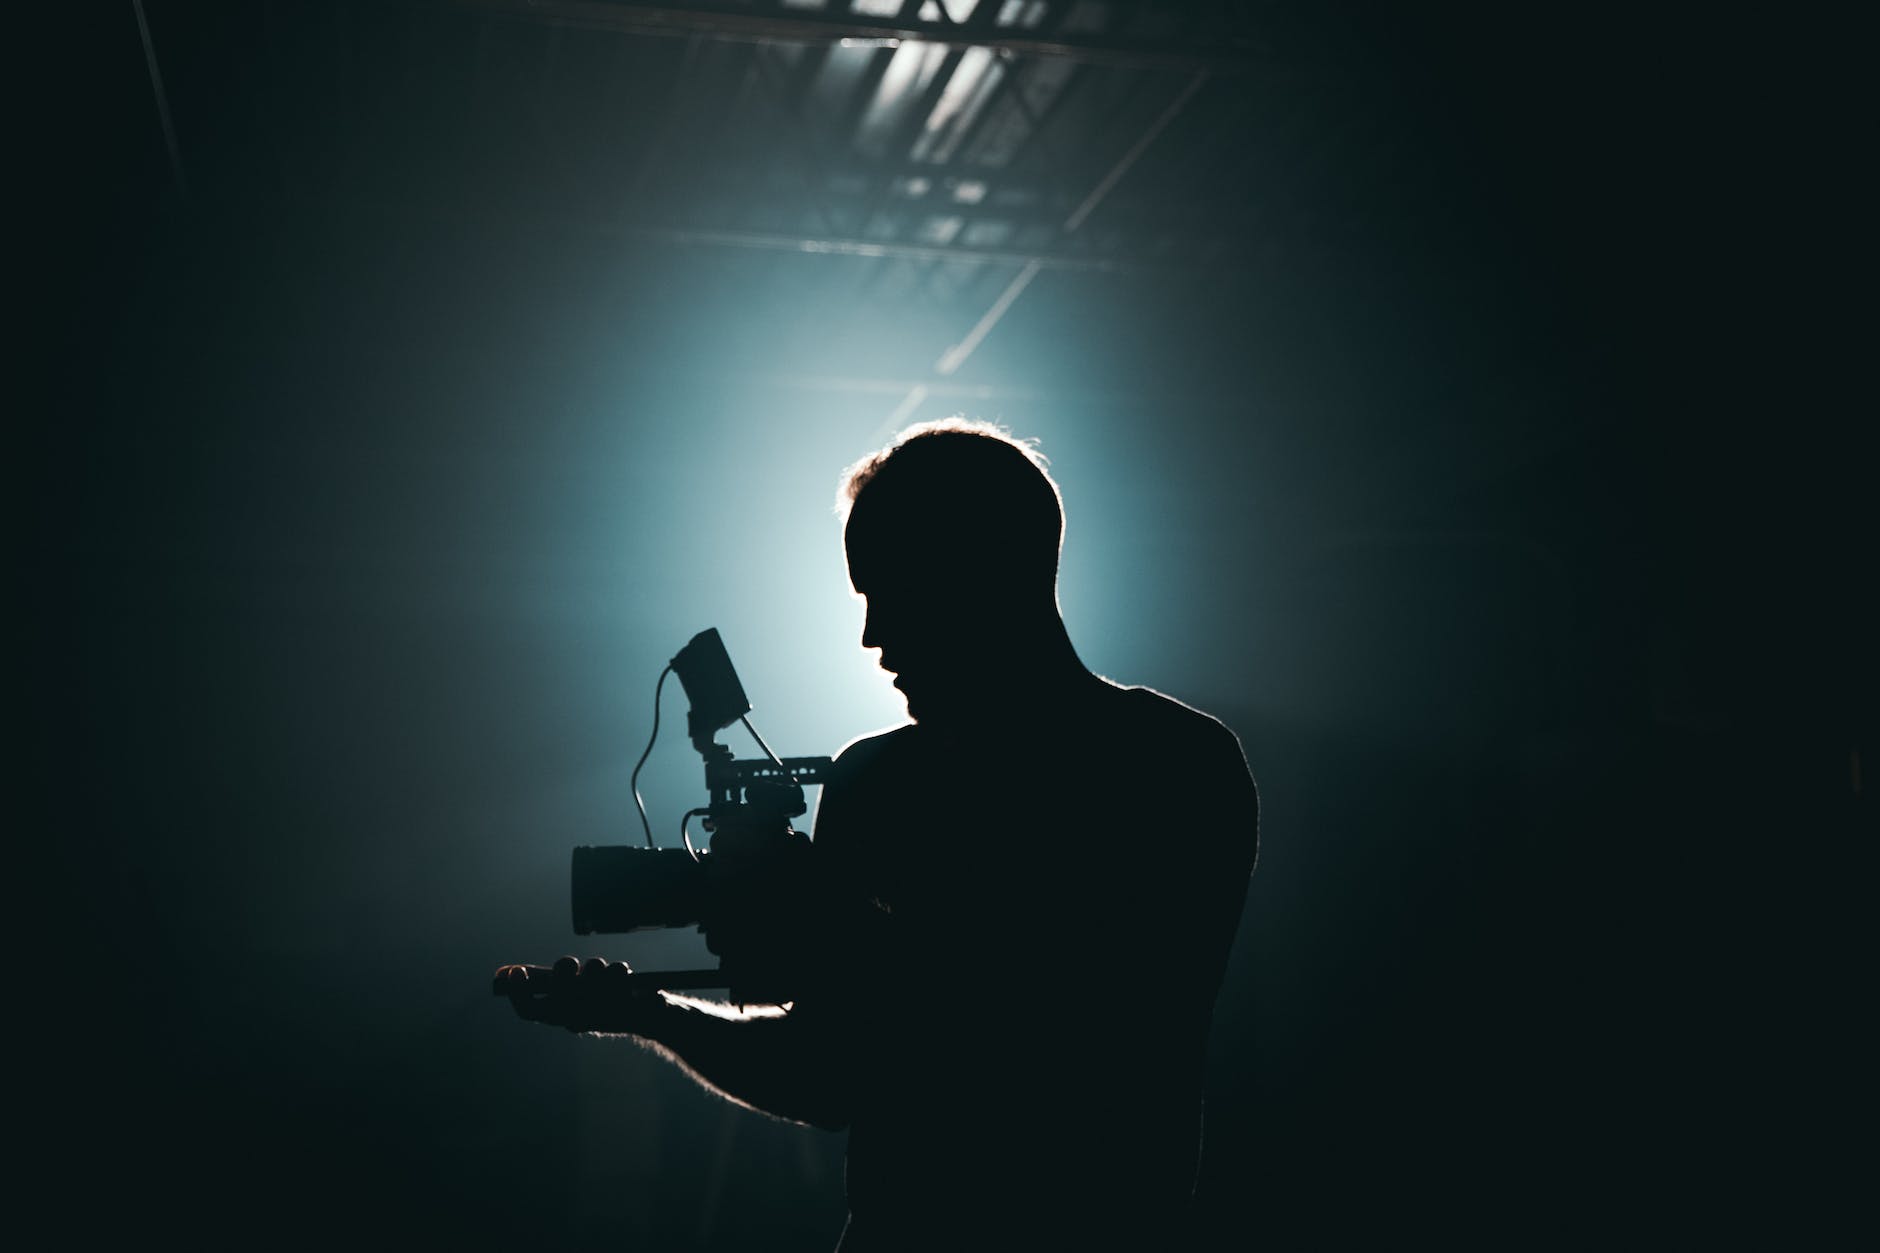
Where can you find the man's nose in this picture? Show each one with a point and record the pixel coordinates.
(882, 627)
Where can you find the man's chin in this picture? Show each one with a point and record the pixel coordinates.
(911, 696)
(929, 701)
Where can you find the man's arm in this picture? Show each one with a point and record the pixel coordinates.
(1237, 808)
(786, 1062)
(782, 1061)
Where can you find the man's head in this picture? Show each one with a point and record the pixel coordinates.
(952, 534)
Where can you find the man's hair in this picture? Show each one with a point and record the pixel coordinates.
(966, 492)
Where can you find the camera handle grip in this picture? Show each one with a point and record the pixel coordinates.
(639, 980)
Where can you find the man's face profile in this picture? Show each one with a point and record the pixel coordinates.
(945, 623)
(923, 631)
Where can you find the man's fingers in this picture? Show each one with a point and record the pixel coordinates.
(591, 995)
(522, 984)
(513, 981)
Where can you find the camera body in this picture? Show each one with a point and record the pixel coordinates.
(624, 888)
(618, 888)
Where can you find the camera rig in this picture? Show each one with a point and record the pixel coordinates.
(623, 888)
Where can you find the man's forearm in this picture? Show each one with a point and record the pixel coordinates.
(780, 1062)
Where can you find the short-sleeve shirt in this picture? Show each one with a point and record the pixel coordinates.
(1055, 895)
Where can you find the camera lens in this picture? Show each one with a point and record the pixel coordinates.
(621, 887)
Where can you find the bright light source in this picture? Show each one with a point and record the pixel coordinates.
(1020, 13)
(913, 66)
(960, 101)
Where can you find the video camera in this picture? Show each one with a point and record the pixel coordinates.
(624, 888)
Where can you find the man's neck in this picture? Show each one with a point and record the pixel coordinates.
(1035, 674)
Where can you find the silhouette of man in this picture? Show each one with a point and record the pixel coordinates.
(1026, 897)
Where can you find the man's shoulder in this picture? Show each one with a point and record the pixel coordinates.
(867, 773)
(878, 750)
(1164, 716)
(875, 744)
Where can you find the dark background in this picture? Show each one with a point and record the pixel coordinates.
(1491, 482)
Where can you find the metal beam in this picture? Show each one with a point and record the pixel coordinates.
(850, 247)
(764, 241)
(162, 99)
(949, 389)
(955, 356)
(1227, 53)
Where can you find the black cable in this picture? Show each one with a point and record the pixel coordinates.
(635, 782)
(774, 759)
(685, 835)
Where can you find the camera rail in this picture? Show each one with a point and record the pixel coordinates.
(805, 771)
(638, 981)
